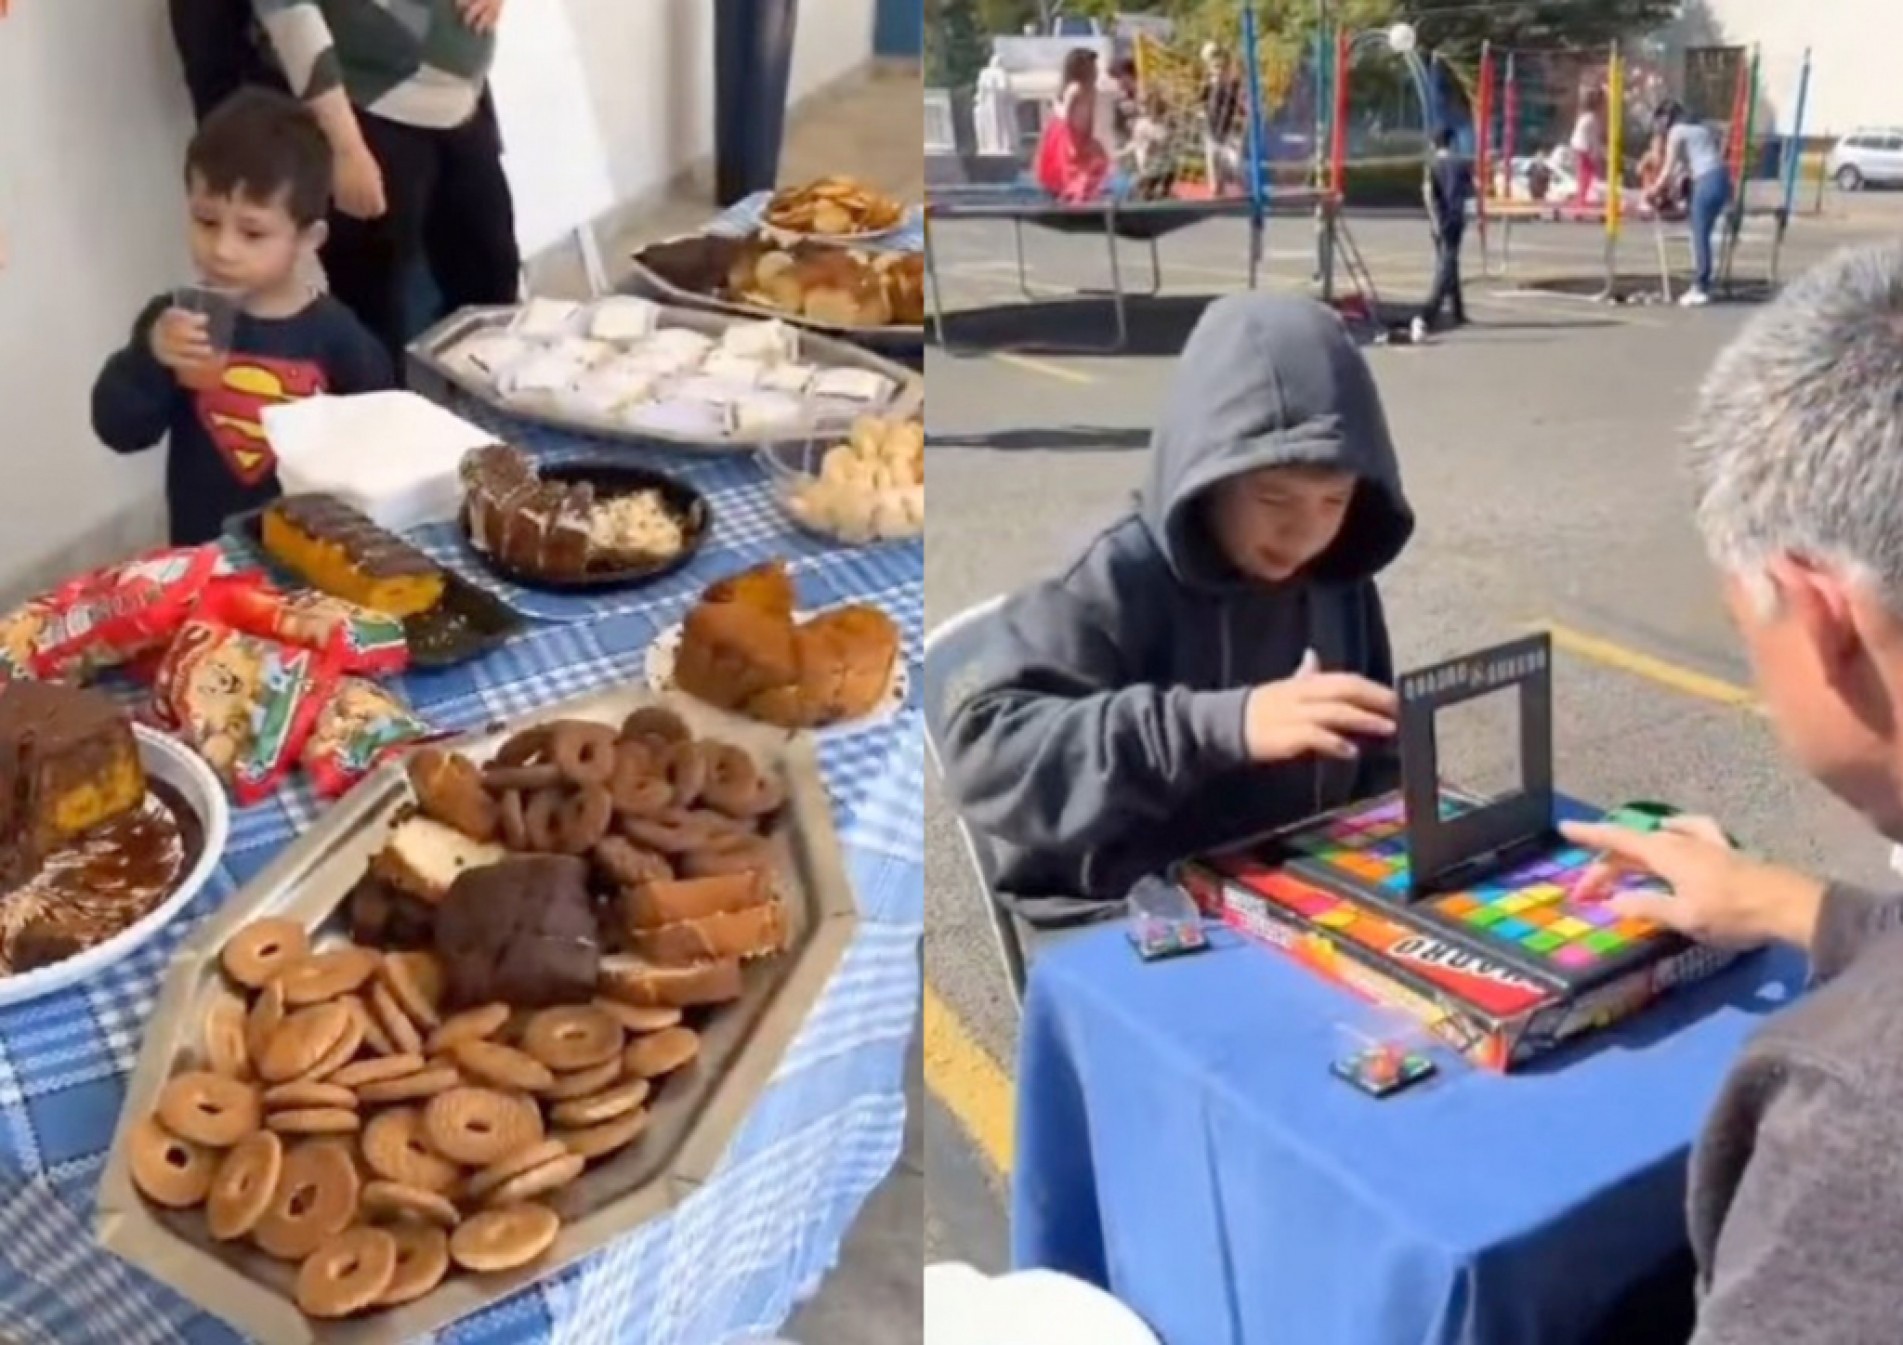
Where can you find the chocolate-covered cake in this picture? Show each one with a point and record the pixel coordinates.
(88, 844)
(533, 526)
(339, 550)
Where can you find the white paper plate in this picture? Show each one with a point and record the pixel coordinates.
(659, 666)
(179, 767)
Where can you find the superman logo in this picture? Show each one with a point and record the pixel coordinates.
(233, 411)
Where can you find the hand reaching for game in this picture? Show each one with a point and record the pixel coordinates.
(1719, 896)
(1316, 713)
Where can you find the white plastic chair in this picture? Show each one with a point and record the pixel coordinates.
(948, 648)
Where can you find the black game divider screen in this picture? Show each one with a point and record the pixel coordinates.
(1438, 846)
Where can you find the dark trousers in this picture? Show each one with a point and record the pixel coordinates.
(1446, 278)
(449, 206)
(218, 49)
(753, 60)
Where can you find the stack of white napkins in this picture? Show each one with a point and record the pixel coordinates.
(392, 455)
(1029, 1307)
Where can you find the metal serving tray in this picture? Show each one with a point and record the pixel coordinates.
(694, 1116)
(431, 375)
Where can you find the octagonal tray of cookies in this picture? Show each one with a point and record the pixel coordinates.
(508, 1001)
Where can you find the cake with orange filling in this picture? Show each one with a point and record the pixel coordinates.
(69, 763)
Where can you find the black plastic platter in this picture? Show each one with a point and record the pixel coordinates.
(612, 479)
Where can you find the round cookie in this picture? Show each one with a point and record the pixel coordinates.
(247, 1179)
(345, 1048)
(598, 1141)
(315, 1199)
(308, 1093)
(583, 1082)
(167, 1170)
(658, 722)
(422, 1259)
(262, 1023)
(325, 976)
(302, 1041)
(584, 753)
(546, 1151)
(503, 1066)
(394, 1200)
(477, 1126)
(395, 1149)
(209, 1109)
(661, 1052)
(416, 980)
(426, 1082)
(638, 1017)
(502, 1239)
(347, 1273)
(572, 1037)
(596, 1108)
(538, 1181)
(470, 1025)
(395, 1022)
(362, 1072)
(262, 949)
(225, 1050)
(315, 1121)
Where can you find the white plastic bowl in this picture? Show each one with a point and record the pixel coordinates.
(167, 760)
(792, 467)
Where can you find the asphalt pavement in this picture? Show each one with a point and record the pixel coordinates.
(1539, 448)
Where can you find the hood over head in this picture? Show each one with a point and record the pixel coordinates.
(1268, 381)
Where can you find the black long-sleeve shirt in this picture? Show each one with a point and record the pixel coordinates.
(219, 462)
(1450, 186)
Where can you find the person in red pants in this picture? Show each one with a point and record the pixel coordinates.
(417, 150)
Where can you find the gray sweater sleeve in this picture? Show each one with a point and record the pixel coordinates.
(302, 38)
(1048, 747)
(1798, 1176)
(1850, 919)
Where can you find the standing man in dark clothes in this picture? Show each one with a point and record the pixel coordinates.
(401, 88)
(1449, 186)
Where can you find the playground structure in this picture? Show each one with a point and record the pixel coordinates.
(1515, 117)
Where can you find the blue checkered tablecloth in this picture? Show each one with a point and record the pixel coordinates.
(737, 1256)
(744, 217)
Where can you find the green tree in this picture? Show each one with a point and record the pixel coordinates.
(1457, 27)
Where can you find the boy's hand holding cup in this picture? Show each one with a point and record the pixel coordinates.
(192, 338)
(1315, 713)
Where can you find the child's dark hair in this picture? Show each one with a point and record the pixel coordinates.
(1444, 138)
(264, 146)
(1079, 64)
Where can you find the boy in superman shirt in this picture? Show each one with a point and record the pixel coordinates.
(258, 183)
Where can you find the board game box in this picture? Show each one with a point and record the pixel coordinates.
(1458, 909)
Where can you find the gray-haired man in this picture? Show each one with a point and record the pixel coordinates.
(1796, 1204)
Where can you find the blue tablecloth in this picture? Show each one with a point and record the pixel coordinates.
(1182, 1143)
(737, 1256)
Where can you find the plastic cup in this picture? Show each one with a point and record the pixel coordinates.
(220, 308)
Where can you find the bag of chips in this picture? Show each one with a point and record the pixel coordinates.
(110, 617)
(360, 727)
(364, 641)
(245, 704)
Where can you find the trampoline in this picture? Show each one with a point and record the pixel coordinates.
(1668, 227)
(1129, 219)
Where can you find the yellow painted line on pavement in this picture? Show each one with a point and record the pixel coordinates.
(1047, 368)
(1687, 681)
(968, 1082)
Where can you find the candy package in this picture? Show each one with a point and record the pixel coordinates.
(245, 704)
(111, 617)
(360, 726)
(362, 641)
(22, 635)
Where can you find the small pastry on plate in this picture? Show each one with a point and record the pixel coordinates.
(623, 317)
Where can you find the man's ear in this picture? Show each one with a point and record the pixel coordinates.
(1819, 599)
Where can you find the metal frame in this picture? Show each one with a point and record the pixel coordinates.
(1004, 925)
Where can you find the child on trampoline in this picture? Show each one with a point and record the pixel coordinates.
(1072, 164)
(1216, 663)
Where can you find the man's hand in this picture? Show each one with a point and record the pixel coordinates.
(481, 15)
(358, 183)
(181, 341)
(1316, 714)
(1718, 896)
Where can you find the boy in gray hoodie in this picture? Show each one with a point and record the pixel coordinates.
(1216, 663)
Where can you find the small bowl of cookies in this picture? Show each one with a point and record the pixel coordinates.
(868, 488)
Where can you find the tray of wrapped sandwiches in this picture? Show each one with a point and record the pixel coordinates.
(508, 1001)
(627, 368)
(876, 299)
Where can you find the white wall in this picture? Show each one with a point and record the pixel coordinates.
(93, 124)
(1853, 61)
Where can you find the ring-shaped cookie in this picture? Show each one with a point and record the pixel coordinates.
(477, 1126)
(264, 948)
(676, 831)
(656, 721)
(569, 823)
(583, 752)
(687, 773)
(635, 787)
(500, 779)
(515, 826)
(736, 786)
(524, 747)
(347, 1273)
(734, 853)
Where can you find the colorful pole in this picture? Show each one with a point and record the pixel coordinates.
(1338, 146)
(1508, 127)
(1323, 101)
(1615, 144)
(1740, 109)
(1796, 141)
(1483, 131)
(1258, 179)
(1750, 129)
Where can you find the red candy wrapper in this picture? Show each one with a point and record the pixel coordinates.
(366, 642)
(361, 726)
(246, 705)
(111, 617)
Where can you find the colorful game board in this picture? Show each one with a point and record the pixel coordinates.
(1524, 914)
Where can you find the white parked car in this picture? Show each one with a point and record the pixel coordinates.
(1871, 156)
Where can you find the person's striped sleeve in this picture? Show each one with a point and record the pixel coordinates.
(305, 49)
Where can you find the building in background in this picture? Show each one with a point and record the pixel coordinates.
(1854, 58)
